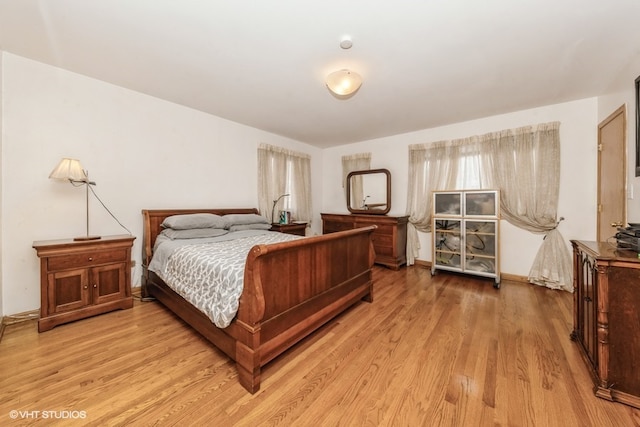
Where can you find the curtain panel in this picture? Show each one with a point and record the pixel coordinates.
(282, 171)
(523, 163)
(350, 163)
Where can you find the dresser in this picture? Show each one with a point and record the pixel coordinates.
(389, 238)
(606, 318)
(83, 278)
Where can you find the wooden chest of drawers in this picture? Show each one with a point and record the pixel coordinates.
(389, 239)
(606, 318)
(79, 279)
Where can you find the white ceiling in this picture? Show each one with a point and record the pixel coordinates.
(263, 63)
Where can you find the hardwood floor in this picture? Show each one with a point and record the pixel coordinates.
(445, 350)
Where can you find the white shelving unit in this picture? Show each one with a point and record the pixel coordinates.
(465, 230)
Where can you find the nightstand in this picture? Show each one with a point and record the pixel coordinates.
(297, 228)
(79, 279)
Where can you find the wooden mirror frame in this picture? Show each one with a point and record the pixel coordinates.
(637, 96)
(369, 211)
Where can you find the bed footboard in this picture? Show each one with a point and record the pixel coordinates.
(293, 288)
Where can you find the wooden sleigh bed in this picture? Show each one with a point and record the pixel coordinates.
(290, 289)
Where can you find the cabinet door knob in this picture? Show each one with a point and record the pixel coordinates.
(90, 258)
(95, 286)
(588, 299)
(85, 286)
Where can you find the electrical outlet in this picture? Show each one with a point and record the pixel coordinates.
(630, 192)
(133, 263)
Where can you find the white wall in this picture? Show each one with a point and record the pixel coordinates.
(577, 201)
(143, 153)
(1, 175)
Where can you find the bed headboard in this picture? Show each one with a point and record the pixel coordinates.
(152, 219)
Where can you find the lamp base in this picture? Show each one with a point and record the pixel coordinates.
(81, 238)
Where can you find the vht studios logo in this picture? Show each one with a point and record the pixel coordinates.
(55, 415)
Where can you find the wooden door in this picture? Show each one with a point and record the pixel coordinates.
(612, 174)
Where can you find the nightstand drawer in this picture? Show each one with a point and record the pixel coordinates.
(86, 259)
(295, 228)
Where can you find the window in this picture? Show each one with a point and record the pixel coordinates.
(468, 176)
(284, 172)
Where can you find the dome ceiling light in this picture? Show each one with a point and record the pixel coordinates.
(344, 83)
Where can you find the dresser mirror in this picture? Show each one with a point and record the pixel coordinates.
(369, 191)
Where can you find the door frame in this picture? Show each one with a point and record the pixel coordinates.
(622, 110)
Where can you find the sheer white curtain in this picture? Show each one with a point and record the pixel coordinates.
(526, 167)
(350, 163)
(431, 167)
(300, 187)
(282, 171)
(524, 164)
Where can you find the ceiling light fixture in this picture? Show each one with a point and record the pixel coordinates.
(344, 83)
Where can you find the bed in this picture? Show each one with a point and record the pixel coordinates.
(290, 289)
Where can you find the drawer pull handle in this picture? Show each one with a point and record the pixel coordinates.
(90, 258)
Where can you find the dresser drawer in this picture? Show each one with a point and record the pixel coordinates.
(334, 226)
(382, 241)
(383, 250)
(86, 260)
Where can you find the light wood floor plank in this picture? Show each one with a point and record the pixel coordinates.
(444, 350)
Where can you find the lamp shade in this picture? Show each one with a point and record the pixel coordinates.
(344, 82)
(68, 170)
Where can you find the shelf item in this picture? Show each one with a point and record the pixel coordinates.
(465, 232)
(79, 279)
(606, 299)
(389, 238)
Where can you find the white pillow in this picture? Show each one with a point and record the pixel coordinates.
(238, 227)
(193, 233)
(196, 220)
(244, 219)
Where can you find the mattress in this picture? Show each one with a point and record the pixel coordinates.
(209, 272)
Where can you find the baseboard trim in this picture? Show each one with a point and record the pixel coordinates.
(514, 278)
(18, 318)
(503, 277)
(422, 264)
(21, 317)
